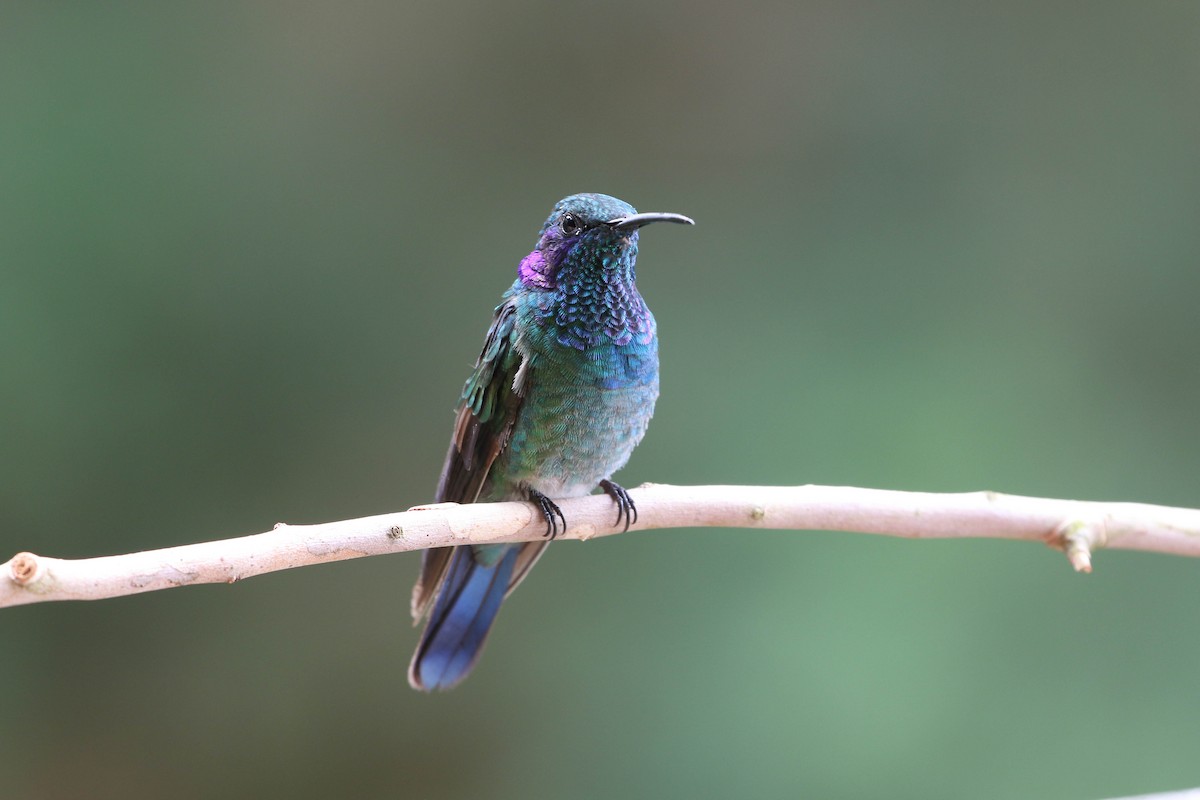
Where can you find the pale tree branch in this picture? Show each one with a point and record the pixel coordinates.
(1184, 794)
(1076, 527)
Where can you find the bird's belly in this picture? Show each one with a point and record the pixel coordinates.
(568, 439)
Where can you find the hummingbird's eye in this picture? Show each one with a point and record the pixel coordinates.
(571, 224)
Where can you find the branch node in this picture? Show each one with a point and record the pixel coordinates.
(25, 568)
(1078, 538)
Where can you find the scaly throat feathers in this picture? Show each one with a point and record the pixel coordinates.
(594, 300)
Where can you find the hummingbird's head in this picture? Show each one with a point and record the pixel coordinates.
(593, 232)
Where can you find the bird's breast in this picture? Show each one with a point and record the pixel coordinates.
(581, 418)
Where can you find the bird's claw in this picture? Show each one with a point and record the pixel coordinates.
(550, 512)
(625, 506)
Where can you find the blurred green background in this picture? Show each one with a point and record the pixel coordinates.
(248, 252)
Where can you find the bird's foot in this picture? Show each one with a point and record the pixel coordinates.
(550, 511)
(625, 505)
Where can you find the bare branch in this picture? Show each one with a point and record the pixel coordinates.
(1076, 527)
(1184, 794)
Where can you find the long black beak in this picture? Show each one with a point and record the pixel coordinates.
(638, 220)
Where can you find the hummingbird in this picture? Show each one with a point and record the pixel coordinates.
(562, 392)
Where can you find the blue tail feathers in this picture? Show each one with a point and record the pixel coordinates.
(466, 606)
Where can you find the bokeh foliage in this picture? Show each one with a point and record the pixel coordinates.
(248, 252)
